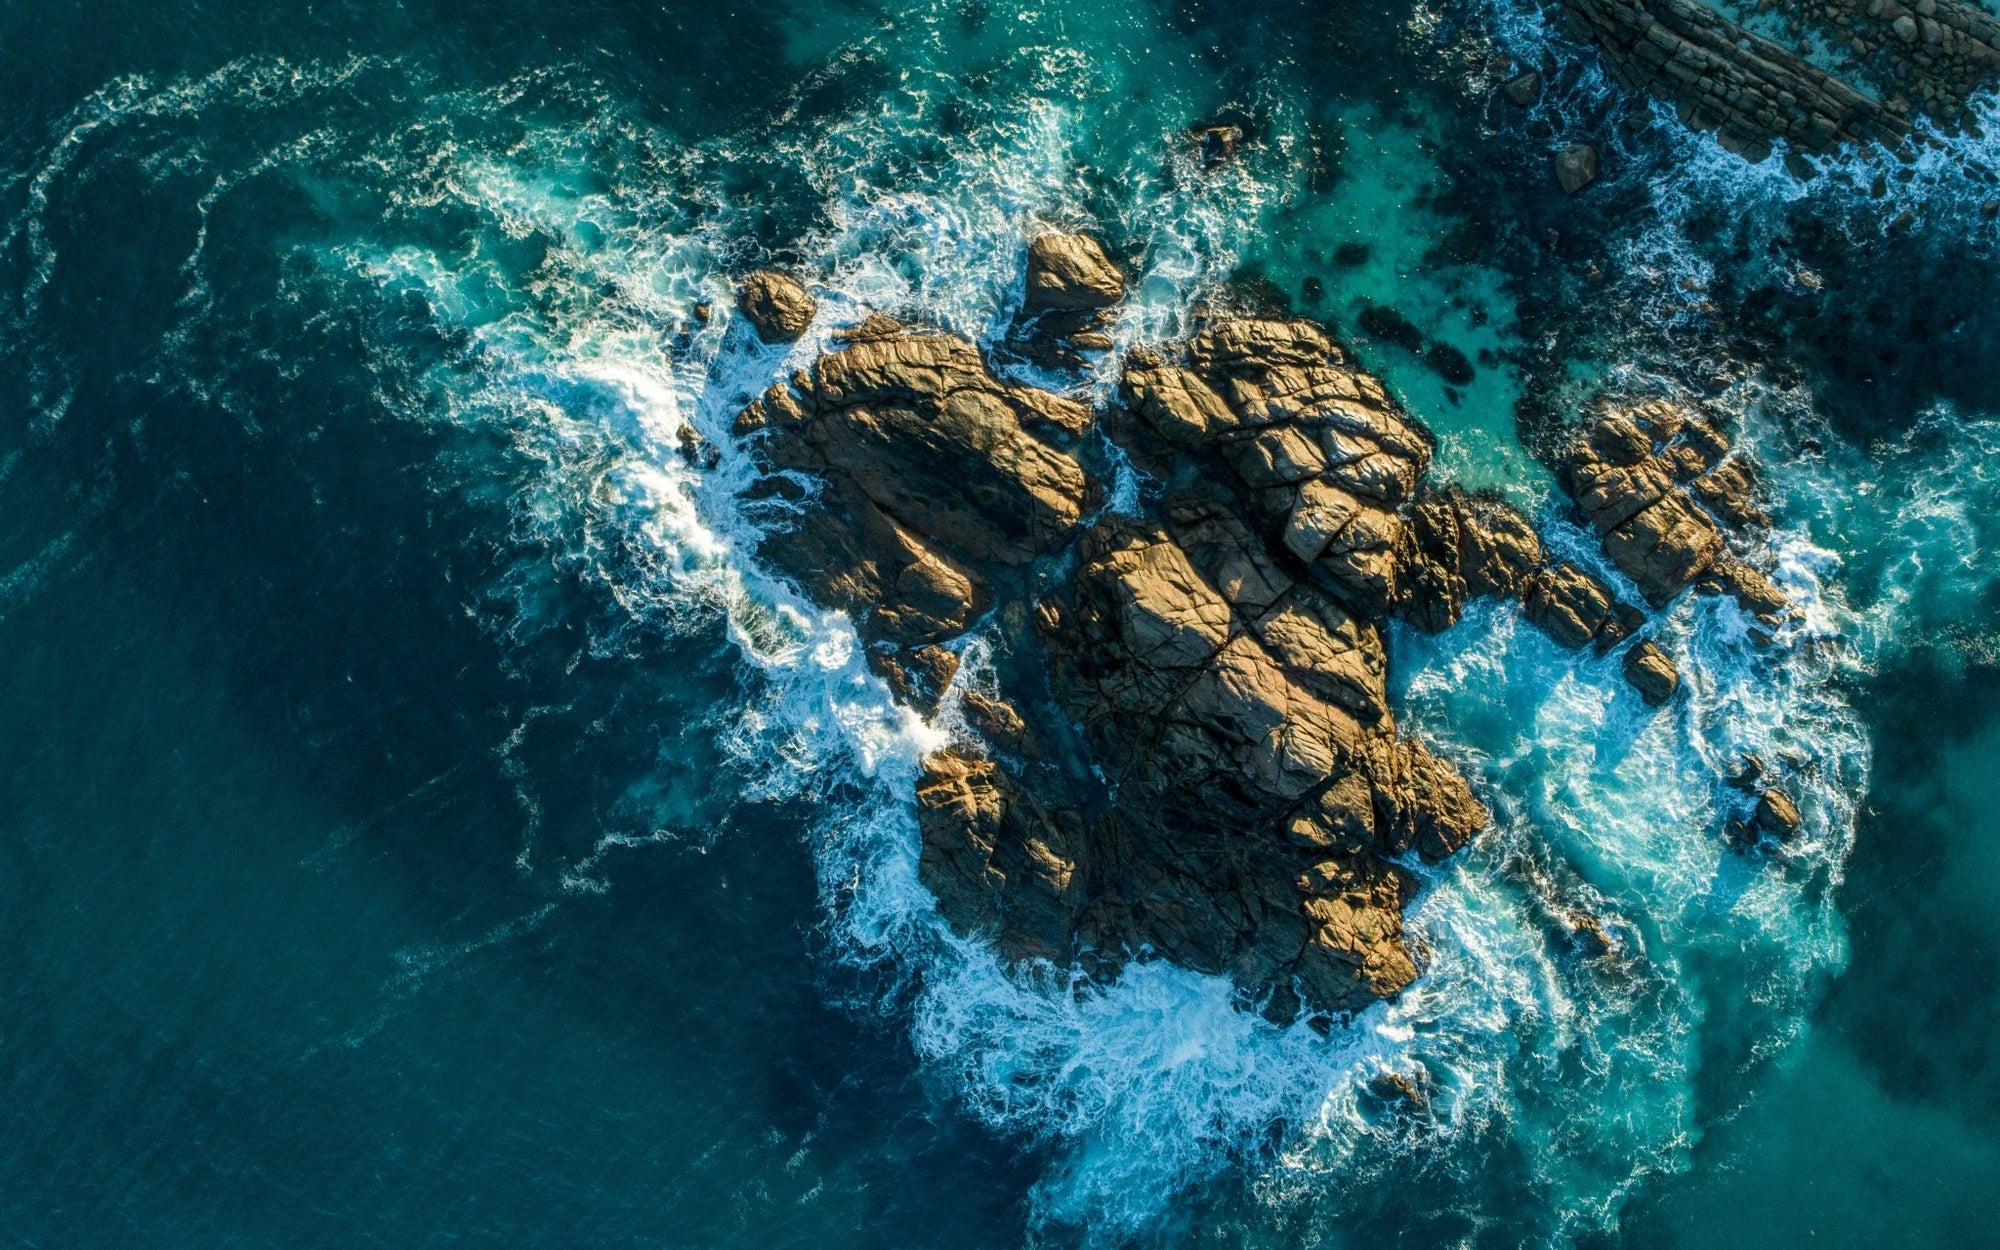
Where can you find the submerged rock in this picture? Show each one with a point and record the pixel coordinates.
(777, 305)
(1576, 167)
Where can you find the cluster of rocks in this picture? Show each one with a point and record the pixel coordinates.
(1751, 90)
(1663, 488)
(1187, 750)
(1936, 53)
(1754, 91)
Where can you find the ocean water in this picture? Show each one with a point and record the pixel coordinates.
(422, 822)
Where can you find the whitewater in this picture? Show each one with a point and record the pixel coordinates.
(578, 312)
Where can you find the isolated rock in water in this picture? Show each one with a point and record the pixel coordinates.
(1660, 484)
(1071, 271)
(1576, 168)
(1524, 89)
(1776, 816)
(777, 305)
(1185, 749)
(1652, 673)
(1218, 143)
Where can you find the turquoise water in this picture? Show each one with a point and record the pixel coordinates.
(424, 824)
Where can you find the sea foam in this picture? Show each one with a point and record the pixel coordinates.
(1556, 1078)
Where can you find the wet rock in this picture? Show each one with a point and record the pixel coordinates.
(1402, 1093)
(1749, 769)
(1589, 934)
(1071, 272)
(1776, 816)
(1459, 547)
(1572, 607)
(933, 481)
(776, 305)
(1752, 91)
(1072, 288)
(697, 451)
(1652, 673)
(1659, 484)
(1523, 89)
(1576, 167)
(1217, 144)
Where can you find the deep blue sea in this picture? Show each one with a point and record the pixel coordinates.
(423, 824)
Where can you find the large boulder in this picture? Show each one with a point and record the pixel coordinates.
(776, 305)
(1071, 271)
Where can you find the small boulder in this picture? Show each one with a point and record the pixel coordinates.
(1524, 89)
(1576, 168)
(1750, 768)
(777, 305)
(1218, 143)
(1776, 816)
(1651, 673)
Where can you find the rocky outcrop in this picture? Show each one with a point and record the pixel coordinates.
(1193, 755)
(1186, 749)
(776, 305)
(1933, 57)
(1661, 486)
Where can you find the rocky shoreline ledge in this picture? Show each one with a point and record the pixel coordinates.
(1185, 748)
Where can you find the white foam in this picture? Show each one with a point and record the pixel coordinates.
(1158, 1083)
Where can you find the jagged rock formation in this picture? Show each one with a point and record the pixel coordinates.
(1187, 750)
(776, 305)
(1661, 486)
(1755, 91)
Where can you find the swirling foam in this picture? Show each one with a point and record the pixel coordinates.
(1582, 1068)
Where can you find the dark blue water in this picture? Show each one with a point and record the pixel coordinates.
(421, 824)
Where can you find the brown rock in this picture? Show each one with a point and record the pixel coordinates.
(1652, 673)
(777, 305)
(1071, 271)
(1776, 816)
(1569, 605)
